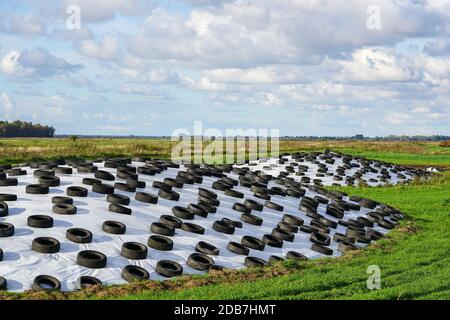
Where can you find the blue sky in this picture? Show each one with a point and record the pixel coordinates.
(306, 67)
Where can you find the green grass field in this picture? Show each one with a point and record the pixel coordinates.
(414, 259)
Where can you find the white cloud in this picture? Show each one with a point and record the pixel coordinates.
(8, 105)
(108, 49)
(27, 25)
(35, 63)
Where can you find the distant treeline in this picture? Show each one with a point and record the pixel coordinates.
(361, 137)
(24, 129)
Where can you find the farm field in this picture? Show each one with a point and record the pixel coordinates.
(32, 149)
(413, 259)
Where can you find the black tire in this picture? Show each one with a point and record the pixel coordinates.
(3, 284)
(160, 243)
(365, 222)
(1, 255)
(374, 234)
(321, 249)
(191, 227)
(171, 221)
(339, 237)
(367, 203)
(262, 195)
(320, 238)
(197, 210)
(136, 183)
(4, 209)
(91, 181)
(234, 193)
(251, 219)
(104, 175)
(169, 195)
(254, 262)
(103, 188)
(46, 283)
(146, 197)
(385, 224)
(272, 241)
(75, 191)
(283, 235)
(37, 189)
(131, 273)
(206, 207)
(207, 193)
(223, 227)
(292, 220)
(253, 243)
(236, 224)
(85, 282)
(117, 208)
(206, 248)
(328, 222)
(114, 227)
(91, 259)
(162, 229)
(168, 268)
(62, 199)
(199, 261)
(253, 205)
(237, 248)
(134, 250)
(346, 246)
(63, 170)
(40, 221)
(9, 182)
(241, 208)
(45, 245)
(79, 235)
(173, 183)
(287, 227)
(6, 229)
(124, 187)
(210, 201)
(118, 199)
(49, 181)
(183, 213)
(293, 255)
(63, 208)
(274, 206)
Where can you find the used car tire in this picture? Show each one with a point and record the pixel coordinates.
(103, 188)
(237, 248)
(251, 219)
(6, 229)
(162, 229)
(40, 221)
(75, 191)
(253, 243)
(113, 227)
(134, 250)
(63, 208)
(45, 245)
(118, 199)
(146, 197)
(223, 227)
(117, 208)
(132, 273)
(206, 248)
(169, 195)
(254, 262)
(191, 227)
(172, 221)
(46, 283)
(168, 268)
(91, 259)
(253, 205)
(183, 213)
(36, 189)
(199, 261)
(62, 199)
(272, 241)
(293, 255)
(321, 249)
(160, 243)
(79, 235)
(4, 209)
(274, 206)
(85, 282)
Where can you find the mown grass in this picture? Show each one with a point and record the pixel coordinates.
(414, 260)
(407, 153)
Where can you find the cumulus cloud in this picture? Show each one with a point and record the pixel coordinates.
(8, 105)
(27, 25)
(107, 49)
(35, 63)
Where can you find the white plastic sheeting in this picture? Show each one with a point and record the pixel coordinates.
(21, 264)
